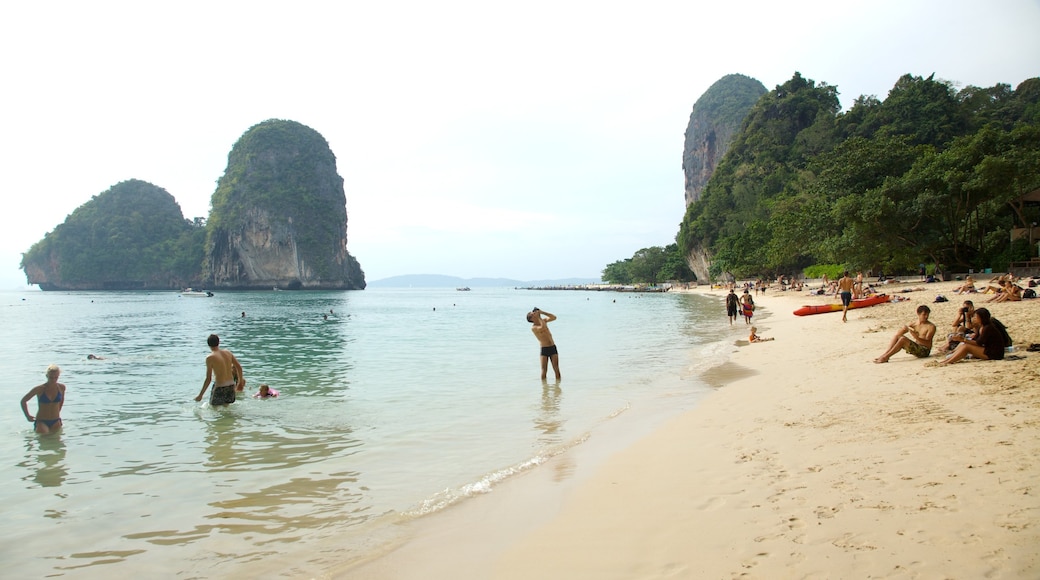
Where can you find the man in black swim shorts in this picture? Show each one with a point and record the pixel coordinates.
(540, 320)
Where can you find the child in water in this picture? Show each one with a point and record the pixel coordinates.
(265, 392)
(756, 338)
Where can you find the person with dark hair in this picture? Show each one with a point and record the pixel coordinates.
(845, 285)
(228, 371)
(540, 320)
(732, 306)
(988, 344)
(919, 339)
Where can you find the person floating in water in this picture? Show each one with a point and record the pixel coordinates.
(228, 371)
(540, 320)
(95, 357)
(265, 392)
(50, 397)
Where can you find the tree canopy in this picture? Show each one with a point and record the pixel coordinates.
(930, 174)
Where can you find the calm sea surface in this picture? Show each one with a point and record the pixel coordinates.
(402, 402)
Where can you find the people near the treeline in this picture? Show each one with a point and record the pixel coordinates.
(1010, 292)
(845, 285)
(967, 288)
(915, 338)
(266, 392)
(857, 286)
(988, 343)
(754, 337)
(50, 398)
(732, 306)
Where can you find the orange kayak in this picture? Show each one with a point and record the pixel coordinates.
(860, 303)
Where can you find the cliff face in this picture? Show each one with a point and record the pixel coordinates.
(279, 214)
(716, 118)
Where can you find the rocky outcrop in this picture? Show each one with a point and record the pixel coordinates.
(716, 118)
(279, 215)
(131, 237)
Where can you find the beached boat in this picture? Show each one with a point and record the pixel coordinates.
(191, 292)
(859, 303)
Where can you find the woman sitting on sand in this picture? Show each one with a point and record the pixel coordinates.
(1012, 293)
(988, 344)
(967, 288)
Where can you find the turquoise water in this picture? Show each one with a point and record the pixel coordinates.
(401, 402)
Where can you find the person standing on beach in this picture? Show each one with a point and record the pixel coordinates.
(747, 304)
(540, 320)
(732, 306)
(50, 398)
(919, 341)
(845, 286)
(228, 371)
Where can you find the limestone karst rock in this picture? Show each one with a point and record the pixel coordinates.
(715, 119)
(279, 215)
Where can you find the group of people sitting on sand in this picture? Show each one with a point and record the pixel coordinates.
(976, 334)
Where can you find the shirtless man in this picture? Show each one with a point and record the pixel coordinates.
(845, 287)
(228, 371)
(540, 320)
(919, 343)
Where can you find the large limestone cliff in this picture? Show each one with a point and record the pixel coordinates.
(279, 215)
(716, 118)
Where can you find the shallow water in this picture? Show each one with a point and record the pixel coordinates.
(401, 402)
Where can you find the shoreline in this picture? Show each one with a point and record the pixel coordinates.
(809, 461)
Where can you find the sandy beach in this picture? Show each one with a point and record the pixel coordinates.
(809, 461)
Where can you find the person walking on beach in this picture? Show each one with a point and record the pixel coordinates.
(540, 320)
(50, 397)
(228, 371)
(732, 306)
(845, 286)
(747, 304)
(919, 341)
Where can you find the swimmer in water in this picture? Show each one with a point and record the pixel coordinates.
(50, 397)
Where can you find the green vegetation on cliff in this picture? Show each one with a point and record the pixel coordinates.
(930, 174)
(131, 236)
(286, 171)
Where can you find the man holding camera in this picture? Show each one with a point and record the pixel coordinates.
(540, 320)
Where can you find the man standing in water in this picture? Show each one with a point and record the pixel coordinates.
(228, 371)
(845, 286)
(540, 320)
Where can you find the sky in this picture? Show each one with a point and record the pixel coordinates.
(533, 141)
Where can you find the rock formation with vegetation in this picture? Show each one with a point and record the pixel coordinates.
(131, 237)
(279, 215)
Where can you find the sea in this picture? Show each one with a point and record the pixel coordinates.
(395, 403)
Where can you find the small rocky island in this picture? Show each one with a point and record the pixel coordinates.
(278, 220)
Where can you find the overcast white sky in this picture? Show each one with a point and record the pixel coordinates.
(528, 140)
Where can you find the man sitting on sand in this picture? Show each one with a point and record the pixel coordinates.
(755, 337)
(919, 341)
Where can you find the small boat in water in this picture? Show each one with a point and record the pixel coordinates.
(463, 289)
(199, 293)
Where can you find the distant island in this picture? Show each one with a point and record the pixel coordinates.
(439, 281)
(278, 220)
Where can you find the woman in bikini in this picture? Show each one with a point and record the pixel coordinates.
(50, 397)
